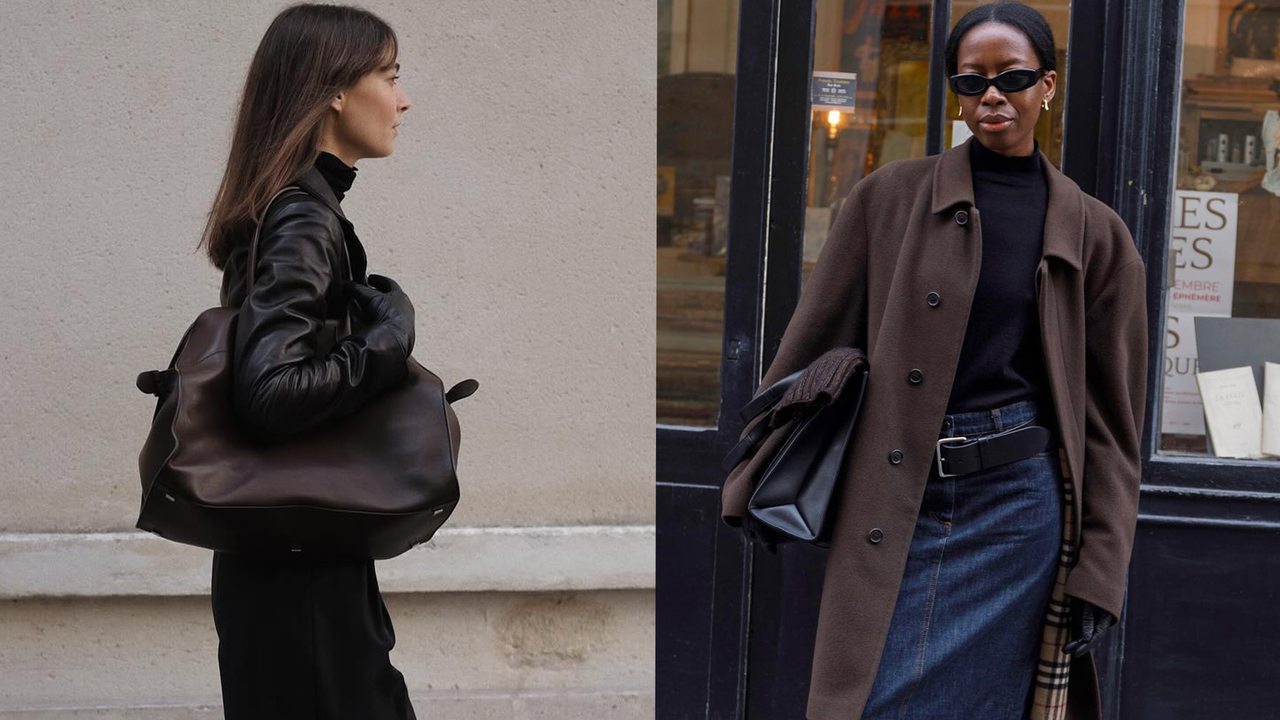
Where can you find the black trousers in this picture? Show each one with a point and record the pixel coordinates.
(304, 640)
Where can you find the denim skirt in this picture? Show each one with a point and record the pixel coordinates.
(964, 640)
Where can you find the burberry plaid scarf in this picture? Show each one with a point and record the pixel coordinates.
(1053, 672)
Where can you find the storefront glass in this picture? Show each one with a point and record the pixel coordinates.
(1221, 394)
(697, 55)
(870, 100)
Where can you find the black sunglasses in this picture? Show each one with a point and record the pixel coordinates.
(1008, 81)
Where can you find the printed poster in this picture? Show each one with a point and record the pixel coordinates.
(1204, 227)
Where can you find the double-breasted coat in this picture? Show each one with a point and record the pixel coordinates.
(906, 231)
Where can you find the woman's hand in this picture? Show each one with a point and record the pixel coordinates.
(385, 303)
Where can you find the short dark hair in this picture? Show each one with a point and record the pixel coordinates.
(1012, 13)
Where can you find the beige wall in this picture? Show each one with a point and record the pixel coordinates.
(515, 213)
(464, 655)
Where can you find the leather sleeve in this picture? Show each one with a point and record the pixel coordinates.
(282, 386)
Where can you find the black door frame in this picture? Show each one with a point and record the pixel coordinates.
(704, 568)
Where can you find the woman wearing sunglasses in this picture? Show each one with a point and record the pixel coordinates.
(1003, 311)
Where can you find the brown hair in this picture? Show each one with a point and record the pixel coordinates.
(308, 54)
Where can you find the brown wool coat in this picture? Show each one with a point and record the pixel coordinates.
(904, 231)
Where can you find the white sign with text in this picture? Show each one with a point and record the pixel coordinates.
(1204, 247)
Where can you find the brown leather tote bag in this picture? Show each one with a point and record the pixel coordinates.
(370, 485)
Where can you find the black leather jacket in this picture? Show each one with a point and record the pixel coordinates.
(299, 363)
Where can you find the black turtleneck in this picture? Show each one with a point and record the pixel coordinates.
(338, 174)
(1001, 361)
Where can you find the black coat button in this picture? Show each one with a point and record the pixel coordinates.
(946, 423)
(962, 217)
(895, 457)
(933, 299)
(915, 376)
(876, 535)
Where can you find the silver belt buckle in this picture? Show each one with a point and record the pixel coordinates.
(937, 451)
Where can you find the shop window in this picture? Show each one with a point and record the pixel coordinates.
(697, 54)
(870, 100)
(1221, 391)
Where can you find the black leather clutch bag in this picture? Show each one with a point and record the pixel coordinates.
(793, 498)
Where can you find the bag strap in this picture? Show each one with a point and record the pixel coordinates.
(257, 230)
(761, 404)
(769, 398)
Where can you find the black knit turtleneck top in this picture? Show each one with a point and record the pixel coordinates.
(338, 174)
(1001, 361)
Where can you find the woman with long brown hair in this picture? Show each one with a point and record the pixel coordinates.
(307, 638)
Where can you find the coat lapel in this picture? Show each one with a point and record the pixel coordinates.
(1057, 290)
(1063, 220)
(952, 178)
(1063, 231)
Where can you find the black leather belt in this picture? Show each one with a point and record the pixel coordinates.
(990, 450)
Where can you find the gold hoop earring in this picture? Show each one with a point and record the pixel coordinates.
(1046, 103)
(960, 112)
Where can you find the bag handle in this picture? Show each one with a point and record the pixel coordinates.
(257, 230)
(761, 404)
(253, 244)
(769, 398)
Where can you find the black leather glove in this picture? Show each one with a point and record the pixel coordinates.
(1088, 622)
(384, 303)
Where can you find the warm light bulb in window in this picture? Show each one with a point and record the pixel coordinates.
(833, 118)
